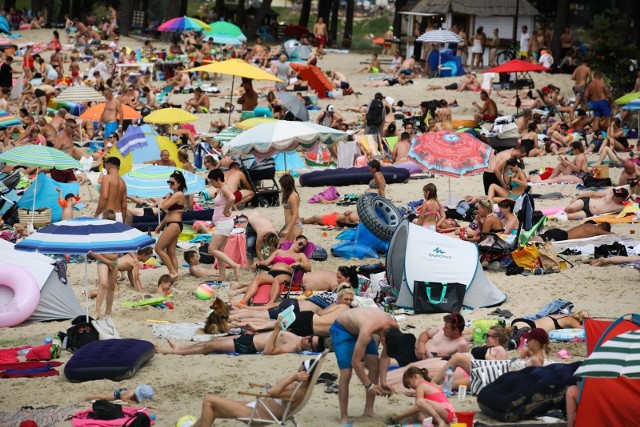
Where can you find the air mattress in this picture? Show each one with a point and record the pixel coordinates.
(150, 222)
(351, 176)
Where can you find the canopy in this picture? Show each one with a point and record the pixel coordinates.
(516, 66)
(39, 156)
(315, 77)
(184, 23)
(619, 356)
(239, 68)
(440, 36)
(80, 94)
(170, 116)
(151, 181)
(225, 33)
(628, 98)
(95, 112)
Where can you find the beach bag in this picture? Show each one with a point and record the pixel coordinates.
(139, 419)
(548, 257)
(81, 333)
(606, 251)
(375, 113)
(436, 297)
(485, 372)
(481, 329)
(41, 217)
(592, 182)
(105, 410)
(527, 257)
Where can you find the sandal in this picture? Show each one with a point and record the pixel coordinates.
(331, 388)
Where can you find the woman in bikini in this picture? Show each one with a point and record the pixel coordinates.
(432, 213)
(553, 321)
(516, 179)
(529, 140)
(171, 226)
(568, 171)
(430, 400)
(348, 219)
(222, 203)
(214, 407)
(281, 265)
(291, 205)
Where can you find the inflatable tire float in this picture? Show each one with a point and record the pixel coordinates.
(319, 254)
(26, 295)
(379, 215)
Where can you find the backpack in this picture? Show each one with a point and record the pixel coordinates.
(139, 419)
(81, 333)
(105, 410)
(375, 113)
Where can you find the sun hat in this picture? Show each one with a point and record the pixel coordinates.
(537, 334)
(144, 392)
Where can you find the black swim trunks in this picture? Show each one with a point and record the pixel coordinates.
(555, 235)
(489, 178)
(244, 344)
(400, 346)
(303, 325)
(585, 206)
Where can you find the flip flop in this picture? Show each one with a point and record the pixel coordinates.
(331, 388)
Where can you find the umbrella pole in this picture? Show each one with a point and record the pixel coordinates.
(517, 96)
(86, 287)
(33, 206)
(233, 80)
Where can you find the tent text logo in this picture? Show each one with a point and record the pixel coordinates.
(439, 253)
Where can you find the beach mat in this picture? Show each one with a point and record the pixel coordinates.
(48, 416)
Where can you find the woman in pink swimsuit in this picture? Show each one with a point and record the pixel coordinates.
(432, 213)
(430, 400)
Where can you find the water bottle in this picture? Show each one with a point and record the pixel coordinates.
(448, 382)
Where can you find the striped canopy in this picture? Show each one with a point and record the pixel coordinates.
(227, 134)
(7, 120)
(184, 23)
(81, 235)
(80, 94)
(619, 356)
(151, 181)
(40, 156)
(440, 36)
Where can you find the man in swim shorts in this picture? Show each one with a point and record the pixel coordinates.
(600, 97)
(597, 203)
(588, 229)
(352, 339)
(199, 103)
(238, 184)
(112, 115)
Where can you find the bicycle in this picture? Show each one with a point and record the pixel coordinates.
(506, 55)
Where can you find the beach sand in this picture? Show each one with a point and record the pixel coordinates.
(181, 381)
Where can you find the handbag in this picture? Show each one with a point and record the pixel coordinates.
(606, 251)
(41, 217)
(548, 257)
(436, 297)
(527, 257)
(485, 372)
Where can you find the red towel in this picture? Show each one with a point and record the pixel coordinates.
(10, 355)
(236, 248)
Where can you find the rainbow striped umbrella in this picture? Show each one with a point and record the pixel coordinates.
(184, 23)
(7, 120)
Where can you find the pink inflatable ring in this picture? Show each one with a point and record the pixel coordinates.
(26, 295)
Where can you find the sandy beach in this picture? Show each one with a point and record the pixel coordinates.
(181, 381)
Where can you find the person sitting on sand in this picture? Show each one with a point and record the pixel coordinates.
(552, 322)
(214, 407)
(270, 343)
(348, 219)
(374, 66)
(139, 394)
(594, 203)
(568, 171)
(195, 268)
(199, 103)
(400, 152)
(488, 112)
(582, 231)
(630, 174)
(445, 341)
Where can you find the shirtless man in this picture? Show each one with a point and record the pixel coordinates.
(588, 229)
(49, 133)
(488, 112)
(276, 342)
(495, 173)
(339, 80)
(630, 174)
(128, 97)
(401, 150)
(199, 103)
(321, 34)
(181, 80)
(259, 232)
(248, 100)
(64, 142)
(112, 115)
(59, 119)
(163, 161)
(238, 184)
(443, 342)
(352, 337)
(407, 65)
(113, 190)
(597, 203)
(581, 76)
(599, 97)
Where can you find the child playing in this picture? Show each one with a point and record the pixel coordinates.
(430, 400)
(131, 263)
(141, 393)
(67, 203)
(195, 269)
(164, 284)
(107, 273)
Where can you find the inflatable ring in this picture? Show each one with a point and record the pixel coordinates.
(379, 215)
(26, 295)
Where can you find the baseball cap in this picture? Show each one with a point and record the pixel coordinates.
(537, 334)
(144, 392)
(71, 195)
(621, 193)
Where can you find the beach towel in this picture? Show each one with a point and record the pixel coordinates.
(10, 355)
(80, 419)
(184, 331)
(29, 369)
(347, 153)
(48, 416)
(330, 194)
(236, 249)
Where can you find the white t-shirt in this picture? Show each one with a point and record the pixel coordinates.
(524, 42)
(546, 60)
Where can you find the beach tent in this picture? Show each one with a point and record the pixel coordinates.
(57, 300)
(445, 58)
(47, 195)
(418, 254)
(614, 402)
(358, 243)
(4, 26)
(289, 161)
(296, 51)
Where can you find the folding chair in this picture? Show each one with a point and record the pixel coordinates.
(289, 412)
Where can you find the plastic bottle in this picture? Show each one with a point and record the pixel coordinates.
(462, 391)
(448, 382)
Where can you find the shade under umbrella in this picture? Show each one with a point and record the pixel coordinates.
(225, 39)
(439, 36)
(294, 105)
(617, 357)
(80, 94)
(151, 181)
(184, 23)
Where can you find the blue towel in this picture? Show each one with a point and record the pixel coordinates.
(557, 306)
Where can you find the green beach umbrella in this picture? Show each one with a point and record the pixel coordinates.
(223, 28)
(617, 357)
(625, 99)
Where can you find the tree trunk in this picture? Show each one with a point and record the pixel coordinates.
(220, 9)
(125, 17)
(240, 14)
(397, 18)
(562, 18)
(255, 24)
(304, 13)
(37, 6)
(348, 25)
(76, 8)
(333, 27)
(64, 9)
(183, 7)
(8, 4)
(48, 18)
(324, 10)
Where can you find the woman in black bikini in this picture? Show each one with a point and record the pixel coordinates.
(171, 225)
(552, 322)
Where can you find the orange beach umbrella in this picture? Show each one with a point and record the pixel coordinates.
(95, 112)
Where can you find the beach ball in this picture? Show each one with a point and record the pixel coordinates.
(186, 421)
(204, 292)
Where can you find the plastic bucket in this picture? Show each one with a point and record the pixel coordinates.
(466, 418)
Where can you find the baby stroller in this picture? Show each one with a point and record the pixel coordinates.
(262, 177)
(7, 184)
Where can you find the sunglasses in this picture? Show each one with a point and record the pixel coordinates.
(490, 336)
(302, 244)
(170, 182)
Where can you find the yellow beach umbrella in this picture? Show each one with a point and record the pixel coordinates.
(627, 98)
(254, 121)
(170, 116)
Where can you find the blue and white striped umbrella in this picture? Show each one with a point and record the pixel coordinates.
(133, 138)
(151, 181)
(80, 235)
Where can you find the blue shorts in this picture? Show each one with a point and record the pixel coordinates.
(344, 85)
(600, 108)
(406, 71)
(344, 342)
(109, 128)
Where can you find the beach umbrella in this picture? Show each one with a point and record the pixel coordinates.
(80, 235)
(450, 154)
(132, 139)
(78, 94)
(225, 33)
(184, 23)
(379, 40)
(170, 116)
(313, 75)
(617, 357)
(39, 156)
(627, 98)
(7, 120)
(236, 68)
(222, 39)
(253, 122)
(294, 105)
(95, 112)
(439, 36)
(633, 106)
(227, 134)
(151, 181)
(517, 66)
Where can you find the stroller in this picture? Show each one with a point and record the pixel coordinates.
(262, 177)
(7, 184)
